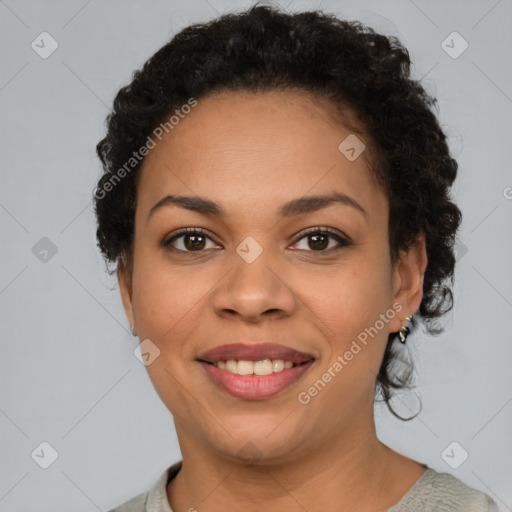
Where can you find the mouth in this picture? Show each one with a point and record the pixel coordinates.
(263, 367)
(255, 372)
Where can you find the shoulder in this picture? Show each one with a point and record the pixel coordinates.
(453, 494)
(443, 492)
(135, 504)
(156, 498)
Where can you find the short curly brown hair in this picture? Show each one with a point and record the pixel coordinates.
(348, 63)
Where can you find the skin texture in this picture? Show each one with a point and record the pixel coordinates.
(251, 153)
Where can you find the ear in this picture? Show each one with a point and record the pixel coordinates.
(407, 281)
(125, 287)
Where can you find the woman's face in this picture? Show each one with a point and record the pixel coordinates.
(261, 274)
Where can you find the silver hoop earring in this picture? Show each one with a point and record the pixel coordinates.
(404, 331)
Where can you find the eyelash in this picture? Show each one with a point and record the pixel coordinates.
(342, 240)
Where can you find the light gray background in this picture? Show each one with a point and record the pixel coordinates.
(69, 376)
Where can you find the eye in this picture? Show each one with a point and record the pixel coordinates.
(196, 239)
(317, 240)
(193, 240)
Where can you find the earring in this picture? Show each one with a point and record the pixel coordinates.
(133, 332)
(404, 331)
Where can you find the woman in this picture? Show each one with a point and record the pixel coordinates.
(276, 201)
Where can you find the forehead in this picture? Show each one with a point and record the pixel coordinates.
(248, 150)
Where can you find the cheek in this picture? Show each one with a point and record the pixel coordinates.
(351, 297)
(345, 378)
(350, 310)
(163, 297)
(170, 303)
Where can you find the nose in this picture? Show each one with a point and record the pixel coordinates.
(254, 291)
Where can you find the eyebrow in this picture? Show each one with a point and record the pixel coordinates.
(301, 205)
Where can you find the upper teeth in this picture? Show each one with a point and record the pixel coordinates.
(264, 367)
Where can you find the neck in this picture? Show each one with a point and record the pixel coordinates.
(353, 468)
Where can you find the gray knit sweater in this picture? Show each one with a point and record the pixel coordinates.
(433, 492)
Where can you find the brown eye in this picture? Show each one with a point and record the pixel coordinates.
(192, 242)
(318, 240)
(189, 240)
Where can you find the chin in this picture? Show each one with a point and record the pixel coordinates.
(259, 448)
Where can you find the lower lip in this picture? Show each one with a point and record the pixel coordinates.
(255, 387)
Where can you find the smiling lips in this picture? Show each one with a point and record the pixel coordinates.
(254, 371)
